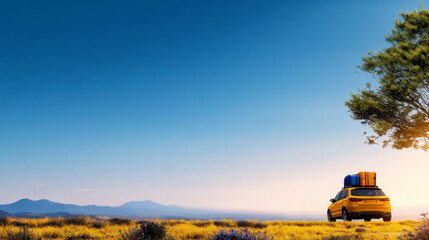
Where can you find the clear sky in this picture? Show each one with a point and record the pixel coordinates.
(217, 104)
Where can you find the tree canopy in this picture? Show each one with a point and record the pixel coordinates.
(397, 109)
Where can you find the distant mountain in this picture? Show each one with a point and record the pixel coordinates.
(142, 204)
(44, 206)
(134, 209)
(4, 214)
(147, 209)
(34, 215)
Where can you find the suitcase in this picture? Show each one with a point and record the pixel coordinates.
(351, 180)
(367, 179)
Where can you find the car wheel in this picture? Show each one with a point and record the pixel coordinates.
(367, 219)
(330, 218)
(387, 219)
(346, 216)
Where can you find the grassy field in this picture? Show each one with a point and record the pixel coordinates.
(84, 228)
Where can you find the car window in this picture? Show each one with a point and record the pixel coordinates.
(345, 194)
(338, 196)
(341, 195)
(368, 192)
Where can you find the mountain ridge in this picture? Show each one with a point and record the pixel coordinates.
(132, 209)
(149, 209)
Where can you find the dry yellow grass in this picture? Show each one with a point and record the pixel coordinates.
(181, 229)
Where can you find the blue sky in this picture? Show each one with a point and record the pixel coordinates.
(220, 104)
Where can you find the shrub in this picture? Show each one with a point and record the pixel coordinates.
(132, 234)
(4, 221)
(77, 220)
(147, 230)
(76, 236)
(199, 223)
(18, 224)
(242, 234)
(422, 231)
(23, 234)
(223, 223)
(174, 222)
(153, 231)
(54, 222)
(120, 221)
(195, 236)
(251, 224)
(98, 225)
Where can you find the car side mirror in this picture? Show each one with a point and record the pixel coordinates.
(332, 200)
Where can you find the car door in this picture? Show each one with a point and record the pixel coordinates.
(340, 203)
(344, 199)
(336, 208)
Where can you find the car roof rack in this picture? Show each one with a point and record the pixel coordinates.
(375, 186)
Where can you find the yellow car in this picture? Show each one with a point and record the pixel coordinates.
(360, 203)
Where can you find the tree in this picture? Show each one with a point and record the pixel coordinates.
(397, 110)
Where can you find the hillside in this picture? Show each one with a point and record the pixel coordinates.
(134, 209)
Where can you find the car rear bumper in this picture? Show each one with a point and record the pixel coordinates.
(361, 215)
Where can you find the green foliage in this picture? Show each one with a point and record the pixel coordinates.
(153, 230)
(397, 110)
(223, 224)
(98, 225)
(147, 230)
(4, 221)
(250, 224)
(18, 224)
(132, 234)
(120, 221)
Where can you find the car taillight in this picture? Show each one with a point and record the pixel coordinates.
(355, 199)
(384, 199)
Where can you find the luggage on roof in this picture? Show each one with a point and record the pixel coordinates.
(351, 180)
(367, 179)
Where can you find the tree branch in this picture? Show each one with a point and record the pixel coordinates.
(418, 105)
